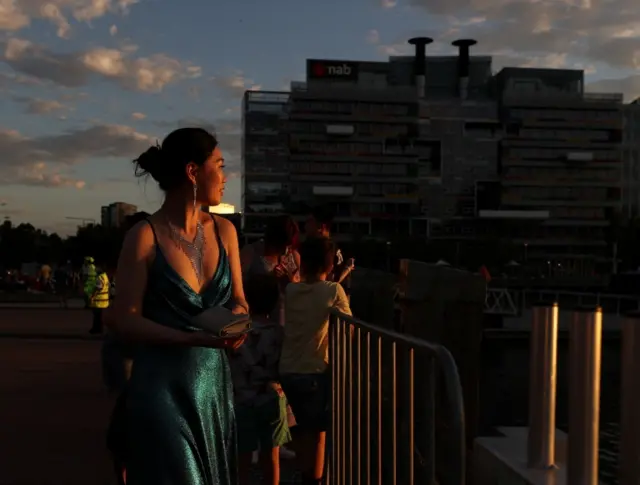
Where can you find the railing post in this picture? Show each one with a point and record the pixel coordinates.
(629, 469)
(585, 347)
(542, 386)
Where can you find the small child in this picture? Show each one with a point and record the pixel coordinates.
(261, 406)
(305, 352)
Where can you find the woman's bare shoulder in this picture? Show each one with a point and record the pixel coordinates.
(226, 229)
(139, 237)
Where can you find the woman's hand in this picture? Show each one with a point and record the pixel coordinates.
(202, 339)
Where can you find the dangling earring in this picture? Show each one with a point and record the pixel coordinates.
(195, 196)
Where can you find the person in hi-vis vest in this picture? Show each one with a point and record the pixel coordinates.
(89, 274)
(99, 300)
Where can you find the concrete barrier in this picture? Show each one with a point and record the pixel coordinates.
(502, 460)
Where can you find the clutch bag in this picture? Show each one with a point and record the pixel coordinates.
(221, 322)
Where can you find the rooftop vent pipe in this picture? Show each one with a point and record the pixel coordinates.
(463, 46)
(419, 65)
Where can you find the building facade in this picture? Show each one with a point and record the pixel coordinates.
(560, 156)
(265, 159)
(395, 147)
(440, 147)
(115, 214)
(631, 161)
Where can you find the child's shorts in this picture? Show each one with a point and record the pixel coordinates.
(309, 396)
(263, 426)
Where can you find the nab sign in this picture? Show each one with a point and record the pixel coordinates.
(332, 70)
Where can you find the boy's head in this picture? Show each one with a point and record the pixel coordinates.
(262, 293)
(319, 222)
(316, 257)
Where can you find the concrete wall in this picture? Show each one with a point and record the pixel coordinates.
(445, 305)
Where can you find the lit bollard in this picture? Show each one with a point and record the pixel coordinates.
(585, 347)
(543, 352)
(629, 469)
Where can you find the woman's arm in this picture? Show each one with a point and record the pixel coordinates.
(230, 240)
(126, 318)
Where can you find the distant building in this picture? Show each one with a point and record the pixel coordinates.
(631, 161)
(265, 159)
(115, 214)
(560, 154)
(439, 147)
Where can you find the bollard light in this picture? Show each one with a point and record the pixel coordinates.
(543, 352)
(585, 348)
(629, 469)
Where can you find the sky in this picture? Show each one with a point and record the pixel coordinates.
(87, 85)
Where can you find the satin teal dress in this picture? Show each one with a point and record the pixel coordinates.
(181, 425)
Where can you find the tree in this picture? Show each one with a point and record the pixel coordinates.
(26, 244)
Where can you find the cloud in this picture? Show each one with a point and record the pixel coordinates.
(138, 116)
(36, 106)
(588, 31)
(234, 85)
(48, 160)
(18, 14)
(388, 3)
(373, 36)
(399, 49)
(629, 86)
(146, 74)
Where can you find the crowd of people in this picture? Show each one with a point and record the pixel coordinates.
(196, 408)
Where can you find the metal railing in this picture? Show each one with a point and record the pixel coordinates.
(384, 403)
(511, 302)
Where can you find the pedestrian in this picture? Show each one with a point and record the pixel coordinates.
(318, 224)
(276, 255)
(173, 266)
(89, 275)
(305, 357)
(261, 405)
(62, 280)
(99, 300)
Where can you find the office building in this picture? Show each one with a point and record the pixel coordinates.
(631, 161)
(265, 157)
(385, 143)
(440, 147)
(560, 158)
(115, 214)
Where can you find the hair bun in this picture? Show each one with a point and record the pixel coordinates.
(149, 162)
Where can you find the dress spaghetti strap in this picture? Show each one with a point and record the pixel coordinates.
(153, 230)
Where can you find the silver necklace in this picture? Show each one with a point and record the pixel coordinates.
(193, 250)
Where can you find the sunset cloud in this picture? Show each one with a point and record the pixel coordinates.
(146, 74)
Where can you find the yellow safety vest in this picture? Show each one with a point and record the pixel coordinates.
(101, 297)
(90, 282)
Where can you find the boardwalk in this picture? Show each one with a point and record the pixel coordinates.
(53, 407)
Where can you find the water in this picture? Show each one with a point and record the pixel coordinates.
(504, 393)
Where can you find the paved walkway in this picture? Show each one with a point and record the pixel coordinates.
(53, 407)
(54, 413)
